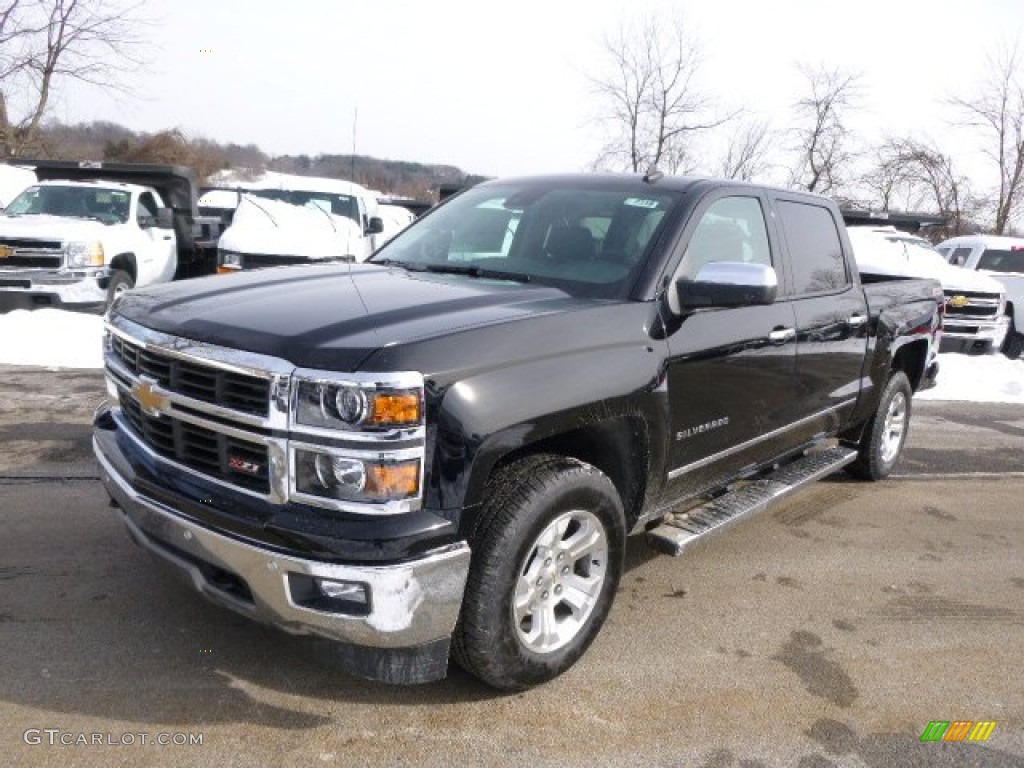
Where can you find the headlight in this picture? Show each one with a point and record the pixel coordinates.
(357, 406)
(341, 477)
(229, 260)
(89, 254)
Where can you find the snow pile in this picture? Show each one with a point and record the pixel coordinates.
(53, 338)
(978, 379)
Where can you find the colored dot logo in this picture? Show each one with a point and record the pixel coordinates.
(206, 50)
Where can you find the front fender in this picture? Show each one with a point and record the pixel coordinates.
(614, 396)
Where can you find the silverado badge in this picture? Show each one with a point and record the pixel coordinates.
(153, 403)
(959, 301)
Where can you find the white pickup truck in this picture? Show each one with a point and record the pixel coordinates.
(974, 319)
(1002, 259)
(87, 232)
(283, 219)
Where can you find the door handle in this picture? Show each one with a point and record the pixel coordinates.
(856, 321)
(782, 335)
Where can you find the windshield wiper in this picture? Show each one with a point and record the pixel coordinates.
(475, 271)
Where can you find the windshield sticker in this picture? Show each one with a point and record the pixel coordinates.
(639, 202)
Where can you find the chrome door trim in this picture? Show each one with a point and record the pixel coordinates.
(679, 471)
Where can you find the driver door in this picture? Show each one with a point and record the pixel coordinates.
(157, 253)
(731, 371)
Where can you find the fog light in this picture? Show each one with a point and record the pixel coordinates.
(343, 590)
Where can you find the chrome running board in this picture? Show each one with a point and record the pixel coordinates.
(683, 529)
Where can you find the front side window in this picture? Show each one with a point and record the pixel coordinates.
(147, 210)
(732, 229)
(814, 248)
(587, 240)
(1002, 260)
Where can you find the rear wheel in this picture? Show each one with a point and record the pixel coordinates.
(882, 443)
(547, 558)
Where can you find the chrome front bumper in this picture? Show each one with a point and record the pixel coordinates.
(412, 603)
(64, 288)
(962, 329)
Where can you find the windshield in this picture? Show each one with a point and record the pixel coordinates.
(331, 202)
(110, 206)
(1002, 261)
(588, 242)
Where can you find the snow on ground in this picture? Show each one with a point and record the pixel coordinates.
(978, 379)
(52, 338)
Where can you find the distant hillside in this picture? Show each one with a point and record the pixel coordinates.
(110, 141)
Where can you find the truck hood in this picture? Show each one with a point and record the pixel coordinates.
(332, 317)
(960, 279)
(44, 227)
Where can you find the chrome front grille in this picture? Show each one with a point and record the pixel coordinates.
(238, 462)
(235, 391)
(979, 305)
(226, 415)
(25, 253)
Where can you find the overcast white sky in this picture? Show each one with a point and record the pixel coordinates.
(503, 88)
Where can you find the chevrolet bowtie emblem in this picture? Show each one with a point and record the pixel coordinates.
(959, 301)
(152, 402)
(5, 252)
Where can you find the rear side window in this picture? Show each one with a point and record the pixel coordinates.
(959, 256)
(1002, 261)
(814, 248)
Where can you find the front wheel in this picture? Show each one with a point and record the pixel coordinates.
(547, 558)
(1013, 347)
(120, 282)
(883, 439)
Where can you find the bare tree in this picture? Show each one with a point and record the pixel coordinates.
(652, 99)
(998, 110)
(913, 174)
(821, 130)
(746, 155)
(45, 43)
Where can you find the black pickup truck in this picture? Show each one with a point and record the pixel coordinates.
(441, 451)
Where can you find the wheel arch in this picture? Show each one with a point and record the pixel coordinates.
(619, 447)
(126, 262)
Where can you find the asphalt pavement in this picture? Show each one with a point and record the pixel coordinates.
(827, 632)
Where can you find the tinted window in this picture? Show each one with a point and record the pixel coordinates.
(960, 256)
(732, 229)
(1002, 261)
(814, 248)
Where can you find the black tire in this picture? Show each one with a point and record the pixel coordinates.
(119, 283)
(879, 447)
(525, 500)
(1013, 347)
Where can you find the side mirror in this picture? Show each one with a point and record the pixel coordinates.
(164, 218)
(727, 284)
(375, 225)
